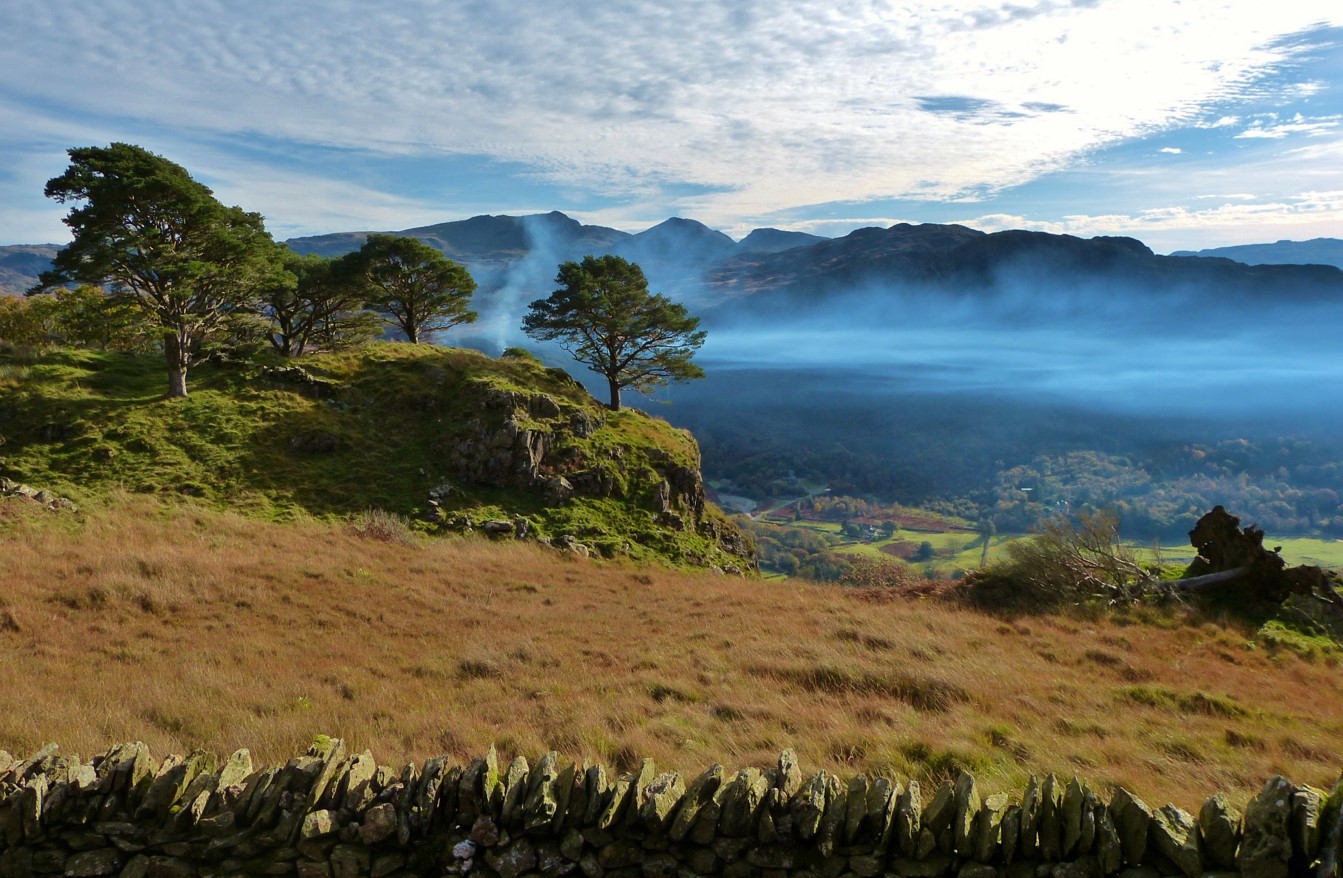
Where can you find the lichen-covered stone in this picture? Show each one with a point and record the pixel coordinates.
(518, 858)
(318, 823)
(1306, 805)
(878, 825)
(986, 829)
(809, 805)
(1009, 834)
(514, 791)
(966, 807)
(660, 800)
(743, 803)
(789, 777)
(908, 820)
(939, 816)
(1030, 819)
(1070, 818)
(621, 793)
(1132, 819)
(1219, 831)
(379, 823)
(1051, 822)
(1265, 844)
(597, 789)
(697, 795)
(1109, 849)
(830, 833)
(87, 864)
(491, 785)
(542, 805)
(1175, 837)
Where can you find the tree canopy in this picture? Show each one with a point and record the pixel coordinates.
(316, 303)
(605, 317)
(155, 237)
(417, 287)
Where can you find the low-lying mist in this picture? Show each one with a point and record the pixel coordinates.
(913, 393)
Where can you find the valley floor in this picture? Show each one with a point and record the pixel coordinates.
(185, 627)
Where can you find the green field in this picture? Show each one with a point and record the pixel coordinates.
(958, 550)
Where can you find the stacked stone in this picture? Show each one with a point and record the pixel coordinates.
(329, 814)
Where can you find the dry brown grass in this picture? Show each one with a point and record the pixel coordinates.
(189, 628)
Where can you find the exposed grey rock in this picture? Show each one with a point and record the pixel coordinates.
(542, 805)
(1306, 805)
(1051, 824)
(1265, 846)
(660, 800)
(1219, 829)
(855, 808)
(1109, 849)
(318, 823)
(986, 828)
(699, 793)
(1030, 819)
(789, 778)
(1010, 833)
(1175, 836)
(908, 814)
(967, 806)
(1070, 818)
(829, 833)
(379, 823)
(515, 859)
(1132, 819)
(808, 806)
(514, 792)
(741, 802)
(938, 817)
(104, 861)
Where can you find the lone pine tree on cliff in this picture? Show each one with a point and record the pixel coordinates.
(605, 317)
(160, 240)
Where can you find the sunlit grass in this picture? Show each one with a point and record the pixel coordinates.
(186, 627)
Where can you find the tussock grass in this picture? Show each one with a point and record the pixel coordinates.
(184, 626)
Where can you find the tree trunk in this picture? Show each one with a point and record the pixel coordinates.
(615, 394)
(176, 350)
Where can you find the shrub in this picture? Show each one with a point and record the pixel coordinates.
(381, 525)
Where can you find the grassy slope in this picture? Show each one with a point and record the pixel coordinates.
(184, 626)
(83, 422)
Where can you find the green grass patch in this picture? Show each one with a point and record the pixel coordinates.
(386, 425)
(1196, 703)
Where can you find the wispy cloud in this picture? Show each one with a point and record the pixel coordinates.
(751, 107)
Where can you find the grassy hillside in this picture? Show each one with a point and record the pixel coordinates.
(380, 428)
(184, 626)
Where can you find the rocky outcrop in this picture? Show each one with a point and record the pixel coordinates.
(335, 814)
(10, 489)
(564, 451)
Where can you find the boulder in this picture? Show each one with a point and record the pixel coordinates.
(1173, 833)
(1219, 831)
(1265, 844)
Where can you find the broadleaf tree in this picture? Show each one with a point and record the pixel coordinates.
(605, 317)
(418, 288)
(158, 239)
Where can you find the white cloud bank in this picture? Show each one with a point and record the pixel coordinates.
(761, 105)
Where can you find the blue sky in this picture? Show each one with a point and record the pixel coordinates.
(1186, 123)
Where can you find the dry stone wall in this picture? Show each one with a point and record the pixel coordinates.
(332, 814)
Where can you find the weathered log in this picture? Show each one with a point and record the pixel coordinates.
(1208, 581)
